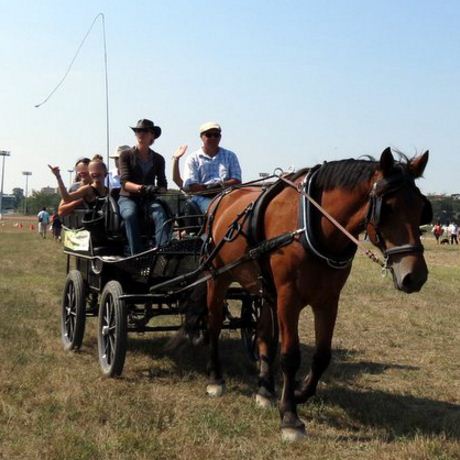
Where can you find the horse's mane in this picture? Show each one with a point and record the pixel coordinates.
(350, 172)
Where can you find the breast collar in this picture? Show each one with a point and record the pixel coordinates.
(308, 215)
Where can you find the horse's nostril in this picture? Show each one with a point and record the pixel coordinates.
(413, 282)
(407, 281)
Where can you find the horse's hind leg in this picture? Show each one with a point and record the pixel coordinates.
(215, 301)
(267, 344)
(325, 317)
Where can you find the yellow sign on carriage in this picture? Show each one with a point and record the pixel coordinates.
(76, 240)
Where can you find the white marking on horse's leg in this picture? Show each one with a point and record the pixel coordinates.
(264, 402)
(215, 390)
(293, 434)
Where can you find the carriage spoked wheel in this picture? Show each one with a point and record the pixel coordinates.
(250, 314)
(73, 311)
(112, 330)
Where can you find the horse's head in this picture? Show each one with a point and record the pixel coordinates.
(397, 208)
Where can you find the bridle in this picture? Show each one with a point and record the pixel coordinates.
(380, 190)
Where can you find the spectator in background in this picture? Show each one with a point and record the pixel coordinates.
(444, 238)
(43, 221)
(56, 226)
(453, 233)
(437, 231)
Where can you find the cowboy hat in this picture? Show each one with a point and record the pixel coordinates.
(145, 124)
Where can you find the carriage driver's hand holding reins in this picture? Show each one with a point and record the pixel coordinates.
(150, 191)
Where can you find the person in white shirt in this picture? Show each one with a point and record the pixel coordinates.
(453, 233)
(211, 168)
(43, 221)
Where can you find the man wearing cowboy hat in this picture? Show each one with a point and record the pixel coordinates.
(211, 168)
(142, 176)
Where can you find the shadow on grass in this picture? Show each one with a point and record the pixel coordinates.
(399, 415)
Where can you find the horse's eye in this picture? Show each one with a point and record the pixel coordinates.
(387, 208)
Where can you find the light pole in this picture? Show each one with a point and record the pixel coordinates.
(70, 171)
(27, 174)
(3, 153)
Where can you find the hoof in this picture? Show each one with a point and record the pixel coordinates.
(293, 434)
(264, 402)
(215, 390)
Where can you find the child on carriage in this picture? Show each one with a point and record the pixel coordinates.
(88, 193)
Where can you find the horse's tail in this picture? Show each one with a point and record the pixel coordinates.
(194, 306)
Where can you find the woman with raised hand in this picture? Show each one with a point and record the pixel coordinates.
(86, 193)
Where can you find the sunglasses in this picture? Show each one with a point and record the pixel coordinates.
(208, 135)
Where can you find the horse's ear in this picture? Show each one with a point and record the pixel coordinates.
(418, 164)
(386, 161)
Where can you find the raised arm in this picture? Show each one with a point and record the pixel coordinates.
(66, 196)
(178, 154)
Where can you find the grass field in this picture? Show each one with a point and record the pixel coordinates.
(392, 390)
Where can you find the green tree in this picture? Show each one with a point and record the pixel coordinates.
(39, 200)
(18, 197)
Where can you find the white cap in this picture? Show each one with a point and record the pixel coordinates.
(208, 126)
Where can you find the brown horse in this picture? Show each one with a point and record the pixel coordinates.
(377, 196)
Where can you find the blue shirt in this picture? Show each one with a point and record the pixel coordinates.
(201, 168)
(44, 216)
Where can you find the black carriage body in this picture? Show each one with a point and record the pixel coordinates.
(129, 290)
(137, 273)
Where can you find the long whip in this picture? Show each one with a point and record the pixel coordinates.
(69, 67)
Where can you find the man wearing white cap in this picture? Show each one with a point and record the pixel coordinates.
(211, 168)
(113, 177)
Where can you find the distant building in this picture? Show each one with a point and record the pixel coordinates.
(49, 190)
(455, 196)
(8, 202)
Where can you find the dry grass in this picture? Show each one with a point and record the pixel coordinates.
(391, 392)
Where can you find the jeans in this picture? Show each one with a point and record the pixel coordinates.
(129, 211)
(202, 202)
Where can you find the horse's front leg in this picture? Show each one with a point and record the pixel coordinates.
(215, 302)
(292, 428)
(325, 316)
(267, 345)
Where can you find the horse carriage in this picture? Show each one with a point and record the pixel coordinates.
(287, 245)
(131, 293)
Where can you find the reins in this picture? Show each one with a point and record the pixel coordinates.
(236, 228)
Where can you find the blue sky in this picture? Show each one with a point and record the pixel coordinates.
(292, 83)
